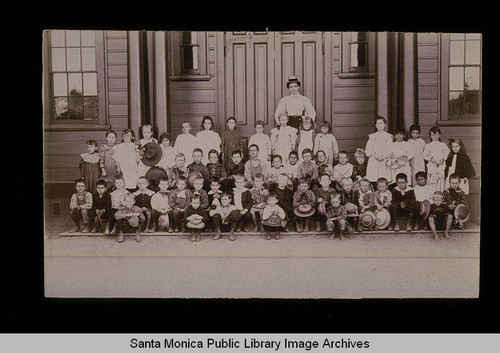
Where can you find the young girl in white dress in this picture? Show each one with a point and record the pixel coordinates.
(436, 153)
(207, 139)
(283, 138)
(417, 145)
(262, 141)
(326, 142)
(127, 159)
(377, 150)
(400, 155)
(185, 143)
(168, 157)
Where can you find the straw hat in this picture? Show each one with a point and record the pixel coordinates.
(425, 209)
(196, 223)
(351, 209)
(367, 220)
(304, 210)
(461, 213)
(382, 219)
(273, 221)
(163, 221)
(133, 221)
(152, 154)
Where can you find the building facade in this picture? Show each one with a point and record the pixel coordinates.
(100, 80)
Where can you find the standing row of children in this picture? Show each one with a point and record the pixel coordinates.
(302, 170)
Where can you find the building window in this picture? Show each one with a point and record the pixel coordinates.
(190, 53)
(358, 52)
(464, 76)
(73, 77)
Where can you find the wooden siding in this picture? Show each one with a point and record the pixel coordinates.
(429, 103)
(62, 149)
(353, 104)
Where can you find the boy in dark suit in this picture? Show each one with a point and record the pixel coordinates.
(101, 205)
(403, 203)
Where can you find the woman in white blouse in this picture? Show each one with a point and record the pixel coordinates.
(295, 105)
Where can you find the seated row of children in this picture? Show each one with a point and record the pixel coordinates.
(272, 203)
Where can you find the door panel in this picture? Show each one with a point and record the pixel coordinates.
(257, 66)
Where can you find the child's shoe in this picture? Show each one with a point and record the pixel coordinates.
(231, 235)
(198, 236)
(278, 235)
(268, 235)
(318, 227)
(176, 230)
(152, 229)
(416, 227)
(138, 236)
(409, 227)
(299, 227)
(94, 230)
(217, 234)
(86, 229)
(106, 230)
(390, 228)
(460, 226)
(193, 236)
(170, 229)
(396, 228)
(447, 235)
(120, 237)
(306, 228)
(113, 231)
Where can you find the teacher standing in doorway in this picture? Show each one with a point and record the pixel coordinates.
(295, 105)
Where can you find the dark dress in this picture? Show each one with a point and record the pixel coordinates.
(90, 170)
(231, 141)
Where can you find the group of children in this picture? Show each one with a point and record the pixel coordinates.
(289, 179)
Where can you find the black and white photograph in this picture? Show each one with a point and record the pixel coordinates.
(287, 164)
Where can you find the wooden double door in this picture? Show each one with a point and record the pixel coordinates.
(256, 68)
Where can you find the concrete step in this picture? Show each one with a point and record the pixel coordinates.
(469, 229)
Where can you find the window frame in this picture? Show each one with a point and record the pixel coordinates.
(175, 45)
(348, 71)
(50, 123)
(445, 91)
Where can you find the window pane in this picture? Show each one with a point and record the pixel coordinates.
(90, 108)
(473, 52)
(456, 53)
(58, 59)
(456, 78)
(57, 39)
(455, 36)
(74, 63)
(471, 78)
(455, 105)
(72, 38)
(61, 107)
(76, 108)
(88, 59)
(75, 84)
(60, 84)
(358, 55)
(90, 84)
(472, 104)
(88, 38)
(190, 58)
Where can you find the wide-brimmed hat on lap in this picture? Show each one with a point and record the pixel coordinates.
(196, 223)
(152, 154)
(425, 209)
(163, 222)
(367, 220)
(351, 209)
(273, 221)
(133, 221)
(382, 219)
(292, 79)
(304, 210)
(461, 213)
